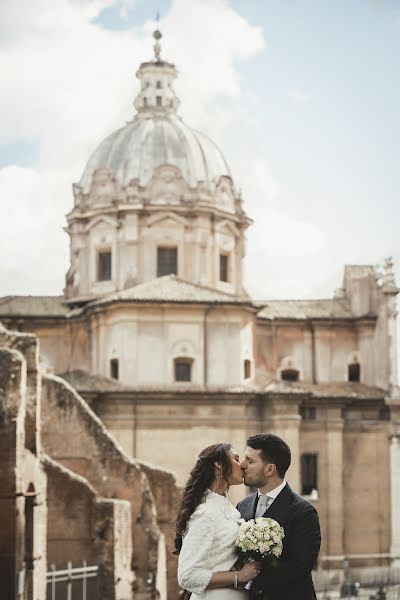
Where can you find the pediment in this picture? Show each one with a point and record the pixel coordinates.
(183, 347)
(168, 219)
(100, 220)
(228, 228)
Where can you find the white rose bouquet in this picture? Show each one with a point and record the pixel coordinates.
(260, 539)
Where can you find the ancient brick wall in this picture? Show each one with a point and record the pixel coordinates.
(167, 497)
(82, 526)
(74, 436)
(94, 504)
(22, 480)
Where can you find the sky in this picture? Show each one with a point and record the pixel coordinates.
(301, 96)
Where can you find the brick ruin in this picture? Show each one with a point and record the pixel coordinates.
(68, 492)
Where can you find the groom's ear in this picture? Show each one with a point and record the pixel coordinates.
(270, 469)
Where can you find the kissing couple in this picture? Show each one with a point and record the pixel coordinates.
(207, 526)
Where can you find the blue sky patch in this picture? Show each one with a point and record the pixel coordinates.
(22, 153)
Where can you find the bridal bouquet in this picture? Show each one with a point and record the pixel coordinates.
(260, 539)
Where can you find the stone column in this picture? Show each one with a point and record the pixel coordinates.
(334, 489)
(393, 401)
(281, 417)
(390, 291)
(395, 481)
(392, 339)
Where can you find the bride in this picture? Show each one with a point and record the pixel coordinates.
(207, 527)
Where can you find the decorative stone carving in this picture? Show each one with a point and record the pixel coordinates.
(167, 186)
(388, 279)
(103, 188)
(224, 197)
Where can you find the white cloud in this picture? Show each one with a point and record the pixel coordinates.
(299, 97)
(207, 40)
(70, 82)
(278, 243)
(32, 239)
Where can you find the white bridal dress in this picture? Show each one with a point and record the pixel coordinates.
(209, 547)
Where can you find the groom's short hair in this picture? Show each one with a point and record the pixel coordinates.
(273, 450)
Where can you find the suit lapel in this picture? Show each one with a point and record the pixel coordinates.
(280, 506)
(248, 507)
(253, 506)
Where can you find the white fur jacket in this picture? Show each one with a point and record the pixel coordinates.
(208, 543)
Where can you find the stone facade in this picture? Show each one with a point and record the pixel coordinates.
(69, 493)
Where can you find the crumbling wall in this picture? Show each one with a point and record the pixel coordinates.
(74, 436)
(102, 504)
(82, 526)
(22, 479)
(167, 497)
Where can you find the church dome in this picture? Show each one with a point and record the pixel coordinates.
(151, 140)
(156, 136)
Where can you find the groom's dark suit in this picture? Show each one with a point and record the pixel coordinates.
(291, 578)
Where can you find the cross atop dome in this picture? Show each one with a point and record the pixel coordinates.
(156, 77)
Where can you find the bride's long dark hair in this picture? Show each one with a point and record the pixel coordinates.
(200, 479)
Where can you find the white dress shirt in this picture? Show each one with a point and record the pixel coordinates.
(271, 496)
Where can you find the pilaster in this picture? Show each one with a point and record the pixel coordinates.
(394, 438)
(281, 417)
(334, 501)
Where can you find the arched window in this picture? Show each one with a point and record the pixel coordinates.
(158, 85)
(114, 368)
(247, 368)
(289, 375)
(354, 372)
(183, 368)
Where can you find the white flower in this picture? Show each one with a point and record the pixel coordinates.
(261, 535)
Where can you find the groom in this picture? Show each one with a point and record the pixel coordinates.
(266, 461)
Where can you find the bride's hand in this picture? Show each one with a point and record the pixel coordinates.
(248, 572)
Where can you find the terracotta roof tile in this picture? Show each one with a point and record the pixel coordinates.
(84, 382)
(340, 389)
(330, 308)
(172, 289)
(33, 306)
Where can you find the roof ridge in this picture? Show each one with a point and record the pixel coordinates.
(171, 288)
(173, 277)
(359, 265)
(12, 296)
(202, 287)
(299, 300)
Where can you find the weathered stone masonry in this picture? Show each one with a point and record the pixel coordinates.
(69, 493)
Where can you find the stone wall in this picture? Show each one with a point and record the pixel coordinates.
(82, 526)
(74, 436)
(167, 497)
(22, 479)
(82, 500)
